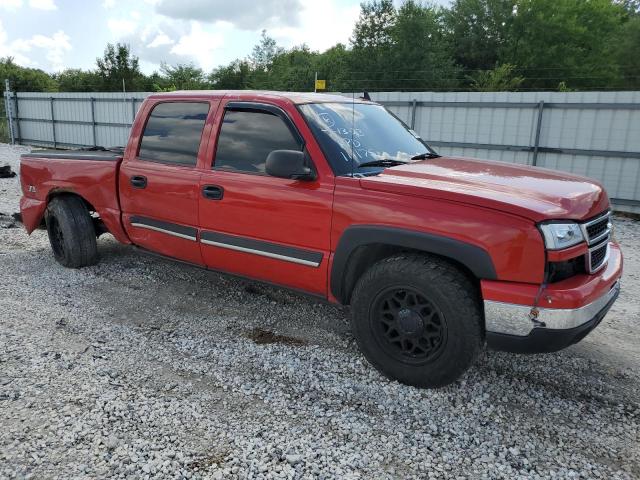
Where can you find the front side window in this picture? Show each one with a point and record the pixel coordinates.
(351, 134)
(173, 132)
(247, 137)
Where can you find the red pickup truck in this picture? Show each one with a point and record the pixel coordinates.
(339, 199)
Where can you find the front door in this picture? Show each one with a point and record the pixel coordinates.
(159, 184)
(252, 224)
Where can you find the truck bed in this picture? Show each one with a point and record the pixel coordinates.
(92, 174)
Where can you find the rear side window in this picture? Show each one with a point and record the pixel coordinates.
(248, 136)
(173, 132)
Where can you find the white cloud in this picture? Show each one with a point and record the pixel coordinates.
(10, 4)
(244, 14)
(207, 33)
(121, 26)
(43, 4)
(7, 50)
(323, 25)
(54, 48)
(160, 40)
(37, 4)
(200, 45)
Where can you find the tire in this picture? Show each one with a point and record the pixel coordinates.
(416, 318)
(71, 232)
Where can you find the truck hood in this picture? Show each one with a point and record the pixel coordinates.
(531, 192)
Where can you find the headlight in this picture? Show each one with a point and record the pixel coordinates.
(561, 235)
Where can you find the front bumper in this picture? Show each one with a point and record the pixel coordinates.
(518, 327)
(556, 332)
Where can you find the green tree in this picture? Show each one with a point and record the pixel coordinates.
(261, 60)
(555, 41)
(371, 46)
(77, 80)
(118, 65)
(334, 66)
(22, 79)
(182, 77)
(500, 79)
(404, 48)
(631, 6)
(478, 30)
(264, 52)
(292, 70)
(373, 28)
(419, 54)
(235, 76)
(625, 49)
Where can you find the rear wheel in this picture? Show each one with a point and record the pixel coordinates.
(71, 232)
(416, 319)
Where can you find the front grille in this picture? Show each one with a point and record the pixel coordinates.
(597, 256)
(597, 233)
(597, 229)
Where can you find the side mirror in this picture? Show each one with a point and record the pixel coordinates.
(289, 164)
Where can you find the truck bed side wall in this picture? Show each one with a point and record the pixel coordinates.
(94, 181)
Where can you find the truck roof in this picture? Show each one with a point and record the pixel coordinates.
(293, 97)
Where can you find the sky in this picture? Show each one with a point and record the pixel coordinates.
(56, 34)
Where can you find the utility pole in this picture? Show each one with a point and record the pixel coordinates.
(315, 83)
(123, 89)
(8, 109)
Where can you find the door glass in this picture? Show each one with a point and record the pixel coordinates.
(173, 132)
(247, 137)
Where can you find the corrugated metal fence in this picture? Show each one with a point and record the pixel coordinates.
(596, 134)
(68, 120)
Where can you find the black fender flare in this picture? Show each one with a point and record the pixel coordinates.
(473, 257)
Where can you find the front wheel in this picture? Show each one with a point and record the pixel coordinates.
(416, 319)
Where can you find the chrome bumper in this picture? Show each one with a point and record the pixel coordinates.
(519, 320)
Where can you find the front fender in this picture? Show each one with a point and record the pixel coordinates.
(474, 258)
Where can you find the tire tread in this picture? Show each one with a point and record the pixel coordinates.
(450, 279)
(78, 229)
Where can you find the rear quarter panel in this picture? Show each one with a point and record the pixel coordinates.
(93, 180)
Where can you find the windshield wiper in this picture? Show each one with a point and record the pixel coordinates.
(425, 156)
(385, 162)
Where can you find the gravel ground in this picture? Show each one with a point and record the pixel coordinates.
(143, 368)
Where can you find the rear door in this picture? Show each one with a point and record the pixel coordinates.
(256, 225)
(159, 183)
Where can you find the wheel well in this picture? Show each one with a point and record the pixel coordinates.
(64, 193)
(98, 224)
(364, 256)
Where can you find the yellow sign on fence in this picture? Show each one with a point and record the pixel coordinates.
(321, 84)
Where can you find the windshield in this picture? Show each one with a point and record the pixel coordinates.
(360, 132)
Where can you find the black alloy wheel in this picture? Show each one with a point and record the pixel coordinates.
(407, 325)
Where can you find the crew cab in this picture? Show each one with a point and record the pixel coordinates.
(336, 197)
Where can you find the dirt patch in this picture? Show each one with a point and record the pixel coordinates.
(265, 337)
